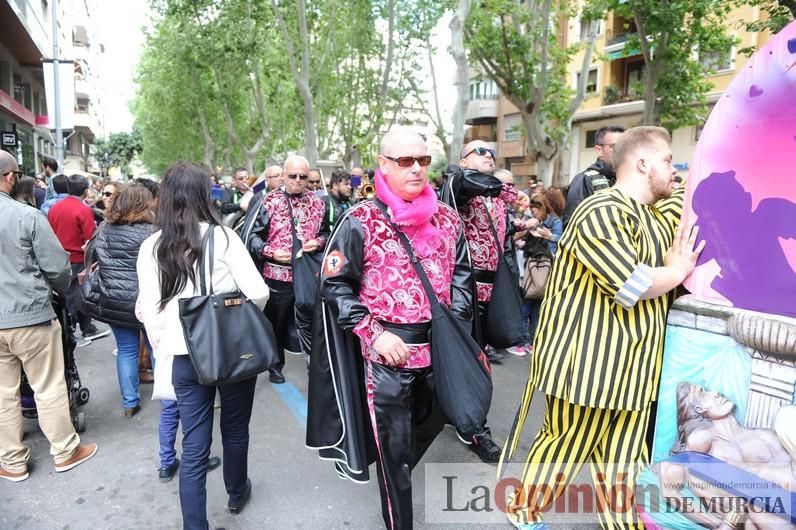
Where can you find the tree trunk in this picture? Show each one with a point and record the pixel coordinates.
(459, 54)
(652, 113)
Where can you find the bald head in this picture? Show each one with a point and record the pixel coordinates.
(505, 176)
(9, 173)
(397, 139)
(7, 162)
(478, 155)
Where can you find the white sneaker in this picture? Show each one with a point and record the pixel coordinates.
(519, 351)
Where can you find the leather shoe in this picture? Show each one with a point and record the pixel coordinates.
(494, 356)
(212, 463)
(165, 474)
(14, 477)
(81, 453)
(236, 506)
(276, 376)
(132, 412)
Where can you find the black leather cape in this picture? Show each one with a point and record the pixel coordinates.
(338, 418)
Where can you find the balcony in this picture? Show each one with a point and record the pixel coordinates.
(485, 132)
(82, 88)
(481, 109)
(613, 95)
(86, 123)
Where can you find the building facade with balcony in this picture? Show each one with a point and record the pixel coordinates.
(614, 92)
(25, 40)
(615, 86)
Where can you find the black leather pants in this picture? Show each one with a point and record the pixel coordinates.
(279, 311)
(407, 421)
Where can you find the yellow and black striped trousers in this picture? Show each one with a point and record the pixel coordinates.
(612, 441)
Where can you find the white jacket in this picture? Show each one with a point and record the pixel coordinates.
(232, 269)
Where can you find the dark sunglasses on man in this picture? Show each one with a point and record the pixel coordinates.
(482, 151)
(294, 176)
(409, 161)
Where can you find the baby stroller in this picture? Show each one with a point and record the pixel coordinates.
(78, 394)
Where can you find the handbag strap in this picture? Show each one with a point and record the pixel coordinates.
(207, 253)
(296, 245)
(492, 229)
(421, 273)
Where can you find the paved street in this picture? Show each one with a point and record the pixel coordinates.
(292, 488)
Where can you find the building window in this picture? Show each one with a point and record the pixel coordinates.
(698, 131)
(19, 89)
(590, 138)
(512, 126)
(483, 90)
(5, 76)
(717, 60)
(584, 28)
(591, 82)
(82, 105)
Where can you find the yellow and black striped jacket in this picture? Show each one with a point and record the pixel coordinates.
(597, 344)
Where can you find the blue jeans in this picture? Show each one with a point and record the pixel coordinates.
(167, 429)
(195, 402)
(128, 341)
(533, 317)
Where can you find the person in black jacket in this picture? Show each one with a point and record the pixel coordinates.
(338, 199)
(597, 176)
(114, 249)
(230, 201)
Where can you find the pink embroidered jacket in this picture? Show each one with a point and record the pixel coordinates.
(307, 217)
(368, 277)
(483, 247)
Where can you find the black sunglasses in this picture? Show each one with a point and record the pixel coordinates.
(294, 176)
(107, 193)
(482, 151)
(409, 161)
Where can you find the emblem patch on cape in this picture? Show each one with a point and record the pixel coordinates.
(334, 263)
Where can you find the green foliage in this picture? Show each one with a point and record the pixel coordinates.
(215, 81)
(778, 14)
(518, 45)
(118, 150)
(669, 32)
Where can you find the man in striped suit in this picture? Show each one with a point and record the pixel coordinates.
(598, 349)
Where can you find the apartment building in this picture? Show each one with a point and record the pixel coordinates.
(613, 97)
(25, 40)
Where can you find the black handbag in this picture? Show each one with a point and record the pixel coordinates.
(229, 339)
(306, 271)
(504, 312)
(89, 297)
(462, 374)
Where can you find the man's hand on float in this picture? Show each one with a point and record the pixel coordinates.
(281, 256)
(311, 245)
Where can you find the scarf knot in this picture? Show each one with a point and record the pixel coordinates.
(413, 218)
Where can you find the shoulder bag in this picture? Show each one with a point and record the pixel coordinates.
(462, 374)
(537, 271)
(90, 295)
(229, 339)
(504, 313)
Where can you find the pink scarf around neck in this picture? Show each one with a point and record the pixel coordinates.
(413, 217)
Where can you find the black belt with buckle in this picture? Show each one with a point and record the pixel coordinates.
(484, 276)
(409, 333)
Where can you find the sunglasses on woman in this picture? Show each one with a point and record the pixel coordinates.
(409, 161)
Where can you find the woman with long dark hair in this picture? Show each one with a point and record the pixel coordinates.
(25, 191)
(167, 271)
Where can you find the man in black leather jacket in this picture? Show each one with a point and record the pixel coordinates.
(598, 176)
(338, 199)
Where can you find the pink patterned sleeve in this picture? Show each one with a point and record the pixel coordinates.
(368, 330)
(509, 194)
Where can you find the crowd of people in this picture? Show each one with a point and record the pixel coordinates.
(348, 271)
